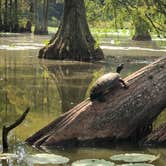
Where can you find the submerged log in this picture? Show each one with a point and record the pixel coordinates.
(6, 130)
(127, 114)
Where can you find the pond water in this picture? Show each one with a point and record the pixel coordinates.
(51, 88)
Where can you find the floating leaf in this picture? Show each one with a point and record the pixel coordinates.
(45, 158)
(134, 157)
(92, 162)
(136, 164)
(5, 156)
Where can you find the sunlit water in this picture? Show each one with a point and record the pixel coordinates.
(53, 87)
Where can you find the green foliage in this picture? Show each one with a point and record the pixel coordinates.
(46, 42)
(22, 22)
(97, 43)
(141, 25)
(53, 22)
(94, 10)
(143, 16)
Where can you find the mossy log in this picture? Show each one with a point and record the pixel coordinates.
(127, 114)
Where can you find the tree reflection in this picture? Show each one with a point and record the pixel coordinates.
(72, 80)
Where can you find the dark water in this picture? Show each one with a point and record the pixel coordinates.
(52, 87)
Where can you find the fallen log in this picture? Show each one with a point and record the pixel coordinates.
(125, 115)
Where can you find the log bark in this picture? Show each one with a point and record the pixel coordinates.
(73, 41)
(125, 115)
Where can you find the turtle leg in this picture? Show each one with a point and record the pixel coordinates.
(123, 83)
(101, 98)
(98, 97)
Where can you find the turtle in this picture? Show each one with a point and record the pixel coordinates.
(105, 83)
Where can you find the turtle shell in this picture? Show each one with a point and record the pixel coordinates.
(104, 84)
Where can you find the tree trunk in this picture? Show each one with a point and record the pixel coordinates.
(10, 16)
(45, 17)
(73, 40)
(36, 18)
(15, 23)
(1, 24)
(127, 114)
(141, 29)
(6, 21)
(41, 23)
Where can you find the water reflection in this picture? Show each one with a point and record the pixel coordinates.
(72, 80)
(22, 84)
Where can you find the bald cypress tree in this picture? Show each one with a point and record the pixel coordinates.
(73, 40)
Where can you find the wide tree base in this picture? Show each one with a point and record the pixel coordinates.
(142, 37)
(55, 53)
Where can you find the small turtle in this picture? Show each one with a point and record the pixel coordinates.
(106, 83)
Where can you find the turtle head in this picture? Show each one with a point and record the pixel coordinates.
(119, 68)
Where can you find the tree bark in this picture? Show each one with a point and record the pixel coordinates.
(15, 22)
(41, 22)
(127, 114)
(6, 21)
(45, 17)
(73, 40)
(10, 16)
(141, 29)
(1, 24)
(36, 18)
